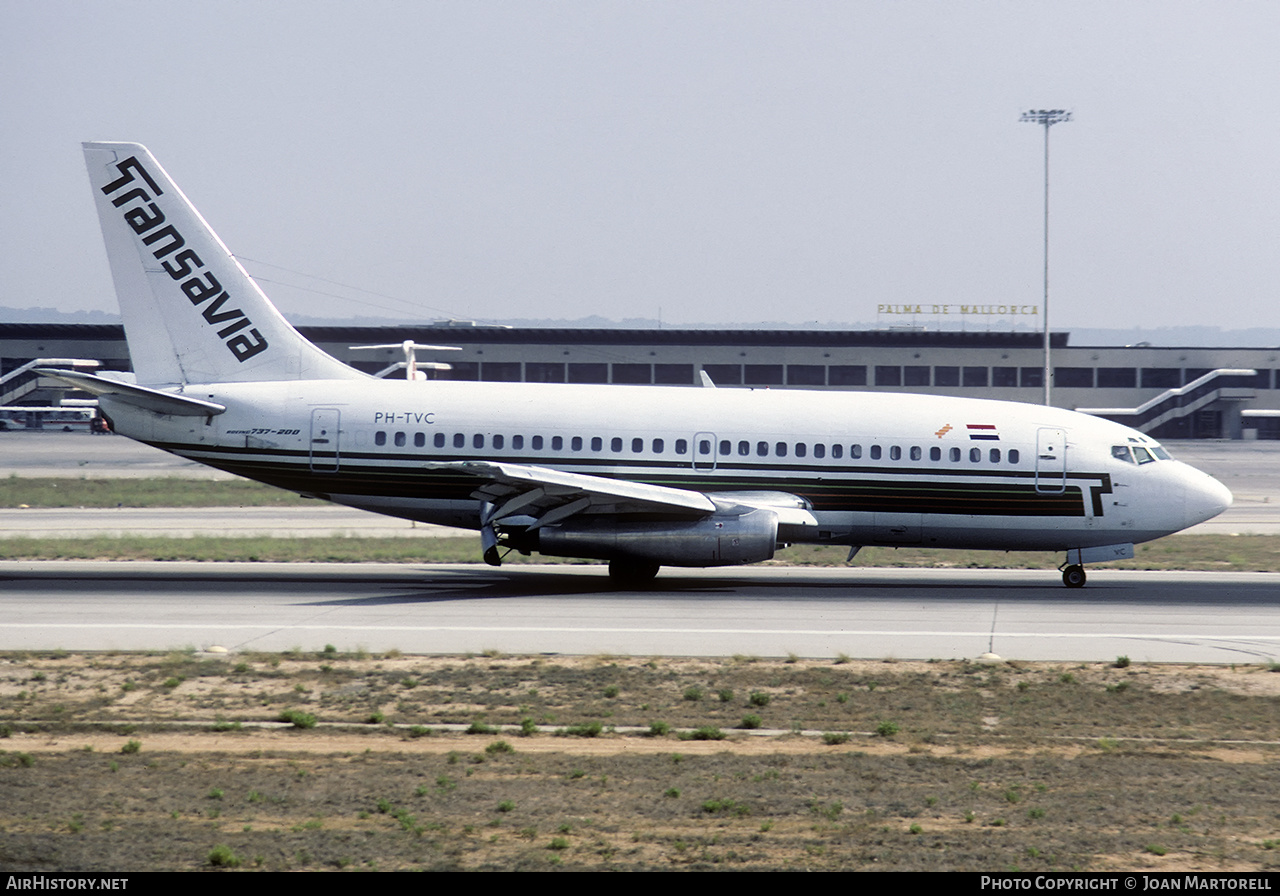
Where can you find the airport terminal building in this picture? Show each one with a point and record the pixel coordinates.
(1169, 392)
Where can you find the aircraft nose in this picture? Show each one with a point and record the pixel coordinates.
(1205, 498)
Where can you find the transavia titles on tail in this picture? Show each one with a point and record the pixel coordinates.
(639, 476)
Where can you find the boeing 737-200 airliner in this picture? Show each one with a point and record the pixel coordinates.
(639, 476)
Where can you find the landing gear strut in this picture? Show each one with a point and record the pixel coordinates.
(1073, 576)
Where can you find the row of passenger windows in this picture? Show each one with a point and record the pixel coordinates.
(829, 375)
(726, 447)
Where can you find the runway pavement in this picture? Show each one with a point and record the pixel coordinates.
(760, 611)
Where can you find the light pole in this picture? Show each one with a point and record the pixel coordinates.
(1048, 118)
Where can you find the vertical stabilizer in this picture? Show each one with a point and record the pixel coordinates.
(191, 313)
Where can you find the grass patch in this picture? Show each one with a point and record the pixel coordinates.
(160, 492)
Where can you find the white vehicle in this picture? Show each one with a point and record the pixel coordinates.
(639, 476)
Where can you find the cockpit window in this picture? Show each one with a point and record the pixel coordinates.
(1121, 452)
(1142, 455)
(1160, 452)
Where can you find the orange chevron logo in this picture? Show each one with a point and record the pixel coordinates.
(942, 432)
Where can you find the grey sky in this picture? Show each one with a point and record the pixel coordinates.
(732, 161)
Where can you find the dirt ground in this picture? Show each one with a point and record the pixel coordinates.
(130, 762)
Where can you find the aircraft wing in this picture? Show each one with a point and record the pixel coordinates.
(546, 496)
(550, 495)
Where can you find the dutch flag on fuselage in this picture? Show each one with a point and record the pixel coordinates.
(982, 432)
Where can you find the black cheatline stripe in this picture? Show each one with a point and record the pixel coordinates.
(960, 498)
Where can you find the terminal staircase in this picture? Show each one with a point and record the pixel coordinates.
(1174, 412)
(22, 382)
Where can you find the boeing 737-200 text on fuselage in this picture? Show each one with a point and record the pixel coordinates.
(640, 476)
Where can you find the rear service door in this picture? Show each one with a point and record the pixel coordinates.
(324, 440)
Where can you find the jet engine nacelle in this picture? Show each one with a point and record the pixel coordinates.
(722, 539)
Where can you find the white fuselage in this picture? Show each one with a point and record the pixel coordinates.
(875, 468)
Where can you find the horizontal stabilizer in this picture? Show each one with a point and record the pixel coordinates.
(138, 396)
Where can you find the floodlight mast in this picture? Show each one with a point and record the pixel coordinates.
(1048, 118)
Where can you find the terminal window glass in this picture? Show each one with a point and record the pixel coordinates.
(946, 376)
(500, 372)
(1073, 377)
(1117, 377)
(673, 374)
(589, 373)
(806, 375)
(1161, 377)
(1031, 377)
(633, 374)
(915, 376)
(975, 376)
(724, 374)
(763, 375)
(543, 372)
(1004, 376)
(847, 375)
(888, 375)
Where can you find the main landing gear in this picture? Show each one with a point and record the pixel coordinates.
(1073, 576)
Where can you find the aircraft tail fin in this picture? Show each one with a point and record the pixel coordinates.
(191, 313)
